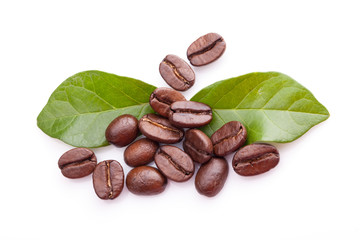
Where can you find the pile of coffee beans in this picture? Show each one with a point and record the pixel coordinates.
(174, 113)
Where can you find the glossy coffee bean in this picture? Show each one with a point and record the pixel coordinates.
(122, 130)
(145, 180)
(174, 163)
(177, 73)
(206, 49)
(162, 98)
(77, 162)
(140, 152)
(108, 179)
(198, 145)
(160, 129)
(228, 138)
(211, 177)
(255, 159)
(190, 114)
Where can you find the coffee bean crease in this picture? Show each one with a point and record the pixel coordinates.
(207, 48)
(196, 112)
(257, 158)
(108, 179)
(160, 125)
(198, 150)
(172, 162)
(77, 163)
(163, 99)
(176, 72)
(229, 138)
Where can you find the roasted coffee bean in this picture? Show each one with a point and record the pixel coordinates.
(206, 49)
(140, 152)
(160, 129)
(162, 98)
(174, 163)
(77, 162)
(108, 179)
(211, 177)
(190, 114)
(122, 130)
(255, 159)
(145, 180)
(198, 145)
(228, 138)
(177, 73)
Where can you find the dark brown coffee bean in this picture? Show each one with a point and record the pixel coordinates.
(174, 163)
(77, 162)
(140, 152)
(160, 129)
(145, 180)
(108, 179)
(228, 138)
(206, 49)
(162, 98)
(198, 145)
(190, 114)
(177, 73)
(255, 159)
(122, 130)
(211, 177)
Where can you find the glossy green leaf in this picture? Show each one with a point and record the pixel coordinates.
(272, 106)
(80, 109)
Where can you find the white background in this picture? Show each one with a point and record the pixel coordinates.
(312, 194)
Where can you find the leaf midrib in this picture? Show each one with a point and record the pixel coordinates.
(99, 112)
(266, 109)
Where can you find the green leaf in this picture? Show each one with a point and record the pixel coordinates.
(80, 109)
(272, 106)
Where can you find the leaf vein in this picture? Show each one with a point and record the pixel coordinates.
(254, 88)
(267, 109)
(122, 91)
(284, 130)
(81, 114)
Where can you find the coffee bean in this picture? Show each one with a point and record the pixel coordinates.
(177, 73)
(190, 114)
(198, 145)
(145, 180)
(162, 98)
(255, 159)
(77, 162)
(160, 129)
(140, 152)
(108, 179)
(228, 138)
(211, 177)
(174, 163)
(122, 130)
(206, 49)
